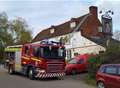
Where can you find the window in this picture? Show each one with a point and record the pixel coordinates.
(100, 29)
(36, 51)
(102, 69)
(119, 70)
(48, 52)
(57, 52)
(81, 61)
(27, 50)
(111, 70)
(52, 30)
(72, 61)
(76, 54)
(72, 24)
(60, 52)
(68, 54)
(10, 55)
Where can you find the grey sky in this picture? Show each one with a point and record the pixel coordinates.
(42, 14)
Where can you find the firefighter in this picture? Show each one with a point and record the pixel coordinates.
(11, 64)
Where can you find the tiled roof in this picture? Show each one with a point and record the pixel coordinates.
(59, 30)
(103, 41)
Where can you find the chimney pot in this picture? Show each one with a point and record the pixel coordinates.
(94, 11)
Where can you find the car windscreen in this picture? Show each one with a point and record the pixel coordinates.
(72, 61)
(49, 52)
(53, 52)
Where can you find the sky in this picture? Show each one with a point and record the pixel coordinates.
(41, 14)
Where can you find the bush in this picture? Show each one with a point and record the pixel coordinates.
(1, 55)
(93, 65)
(110, 56)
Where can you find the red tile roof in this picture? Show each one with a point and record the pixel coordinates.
(59, 30)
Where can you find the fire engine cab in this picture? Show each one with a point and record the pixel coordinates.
(43, 60)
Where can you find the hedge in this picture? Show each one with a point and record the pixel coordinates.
(110, 56)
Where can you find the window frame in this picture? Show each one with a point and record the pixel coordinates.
(118, 71)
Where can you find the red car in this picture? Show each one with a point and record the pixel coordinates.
(78, 64)
(108, 76)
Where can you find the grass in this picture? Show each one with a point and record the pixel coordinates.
(90, 81)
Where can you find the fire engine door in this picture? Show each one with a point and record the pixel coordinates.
(18, 61)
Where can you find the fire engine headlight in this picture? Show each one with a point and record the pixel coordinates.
(42, 71)
(37, 63)
(37, 69)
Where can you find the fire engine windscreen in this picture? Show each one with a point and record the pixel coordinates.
(49, 52)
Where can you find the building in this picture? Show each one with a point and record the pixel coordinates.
(80, 35)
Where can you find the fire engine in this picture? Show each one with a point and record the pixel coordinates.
(43, 60)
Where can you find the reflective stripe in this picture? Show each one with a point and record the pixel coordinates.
(25, 58)
(46, 75)
(31, 58)
(35, 59)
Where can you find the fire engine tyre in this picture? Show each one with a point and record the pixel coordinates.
(31, 74)
(100, 85)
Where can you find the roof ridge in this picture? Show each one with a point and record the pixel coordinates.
(64, 22)
(81, 22)
(59, 27)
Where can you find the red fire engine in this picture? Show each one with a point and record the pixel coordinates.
(43, 60)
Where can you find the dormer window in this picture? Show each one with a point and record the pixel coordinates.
(72, 24)
(100, 29)
(52, 30)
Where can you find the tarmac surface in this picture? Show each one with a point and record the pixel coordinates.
(20, 81)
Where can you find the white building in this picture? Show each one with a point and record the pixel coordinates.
(80, 35)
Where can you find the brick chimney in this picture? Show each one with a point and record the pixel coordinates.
(94, 11)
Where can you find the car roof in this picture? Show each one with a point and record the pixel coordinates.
(44, 45)
(83, 56)
(110, 65)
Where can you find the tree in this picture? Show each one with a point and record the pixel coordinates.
(5, 31)
(12, 32)
(1, 43)
(22, 34)
(1, 51)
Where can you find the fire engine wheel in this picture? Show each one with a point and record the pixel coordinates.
(31, 74)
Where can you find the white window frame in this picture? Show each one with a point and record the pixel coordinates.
(100, 29)
(72, 24)
(52, 30)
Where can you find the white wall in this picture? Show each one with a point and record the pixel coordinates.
(79, 44)
(82, 45)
